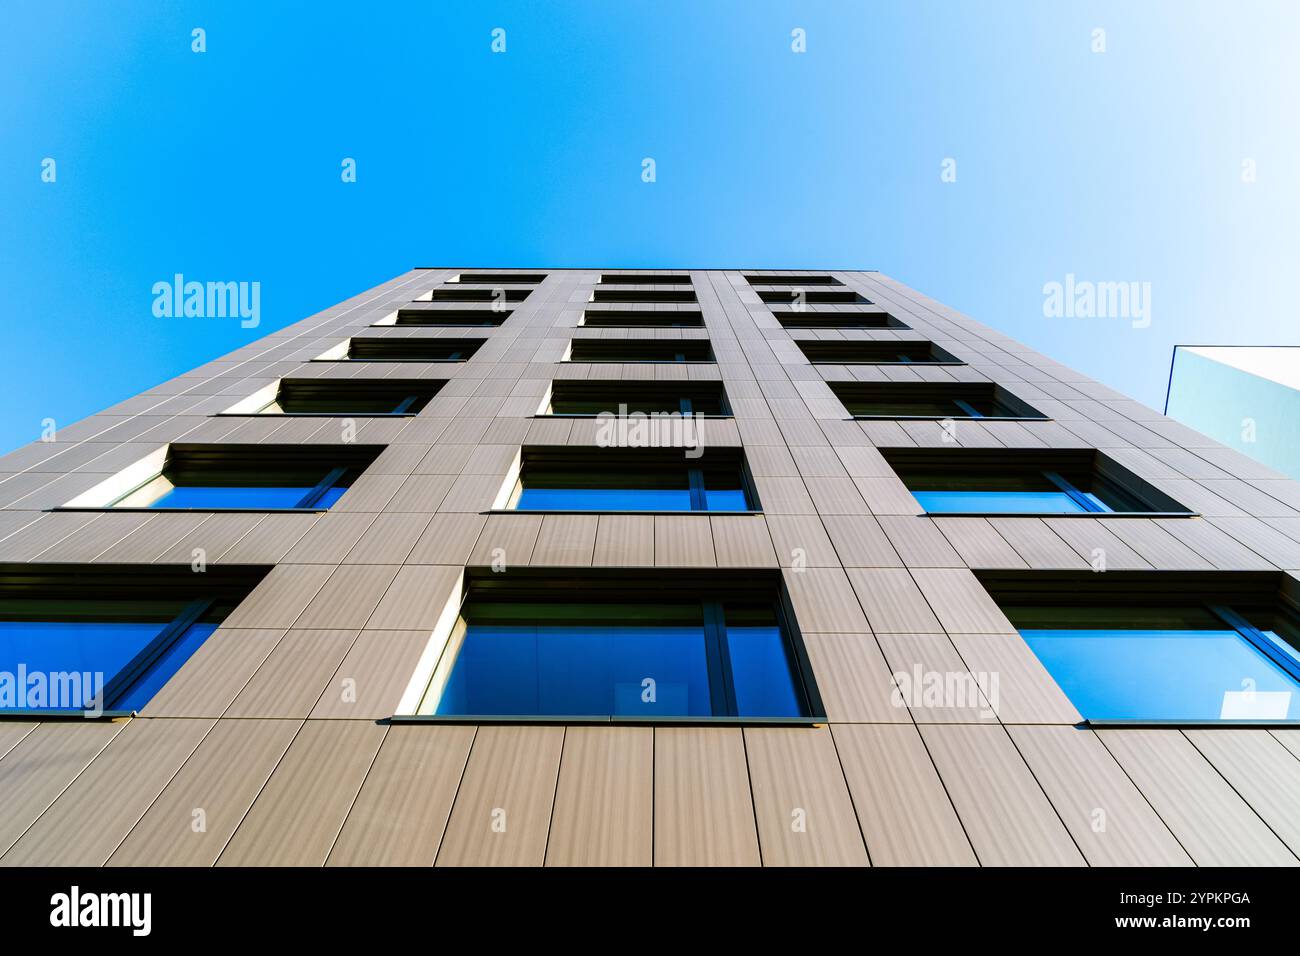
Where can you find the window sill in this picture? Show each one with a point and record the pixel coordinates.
(236, 511)
(279, 415)
(664, 416)
(926, 364)
(1104, 724)
(27, 714)
(390, 361)
(639, 721)
(1059, 514)
(594, 511)
(948, 418)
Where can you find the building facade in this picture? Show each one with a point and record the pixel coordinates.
(611, 567)
(1246, 396)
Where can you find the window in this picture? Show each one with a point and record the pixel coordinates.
(638, 294)
(1024, 481)
(812, 296)
(645, 278)
(586, 398)
(435, 316)
(498, 278)
(669, 647)
(631, 479)
(475, 295)
(1136, 651)
(332, 397)
(648, 319)
(884, 352)
(931, 400)
(104, 638)
(795, 280)
(193, 477)
(871, 318)
(640, 350)
(395, 349)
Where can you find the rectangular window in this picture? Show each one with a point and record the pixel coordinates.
(631, 480)
(1024, 481)
(644, 319)
(104, 638)
(640, 350)
(853, 319)
(1156, 657)
(590, 398)
(645, 278)
(646, 294)
(247, 478)
(350, 397)
(794, 280)
(396, 349)
(436, 317)
(475, 295)
(798, 296)
(883, 352)
(663, 649)
(931, 400)
(498, 278)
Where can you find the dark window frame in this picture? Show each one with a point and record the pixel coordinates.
(642, 319)
(850, 319)
(1229, 596)
(647, 278)
(326, 466)
(1063, 467)
(901, 392)
(122, 593)
(684, 349)
(636, 461)
(462, 350)
(793, 279)
(410, 318)
(504, 278)
(719, 586)
(411, 395)
(875, 352)
(600, 390)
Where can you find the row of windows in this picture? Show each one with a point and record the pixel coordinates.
(949, 480)
(1130, 647)
(638, 351)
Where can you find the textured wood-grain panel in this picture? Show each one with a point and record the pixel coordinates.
(604, 801)
(1212, 822)
(198, 811)
(704, 811)
(502, 812)
(902, 807)
(1008, 819)
(399, 816)
(298, 815)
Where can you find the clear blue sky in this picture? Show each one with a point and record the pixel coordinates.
(1119, 166)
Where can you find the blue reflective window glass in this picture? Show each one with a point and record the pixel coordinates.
(579, 670)
(161, 671)
(203, 496)
(726, 499)
(604, 499)
(1164, 674)
(999, 502)
(52, 647)
(330, 496)
(761, 673)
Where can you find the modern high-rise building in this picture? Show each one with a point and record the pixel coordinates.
(1246, 396)
(610, 567)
